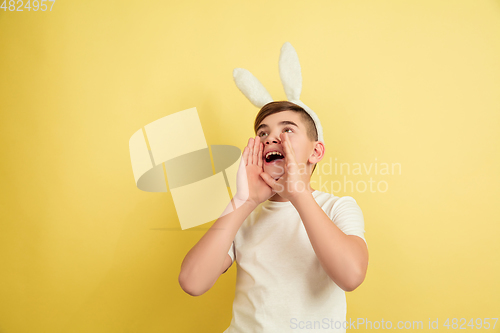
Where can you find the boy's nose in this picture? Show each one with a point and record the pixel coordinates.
(272, 139)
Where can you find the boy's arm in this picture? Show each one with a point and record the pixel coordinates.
(343, 257)
(206, 261)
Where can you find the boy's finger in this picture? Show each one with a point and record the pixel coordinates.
(256, 147)
(250, 151)
(244, 156)
(259, 161)
(289, 153)
(268, 179)
(290, 162)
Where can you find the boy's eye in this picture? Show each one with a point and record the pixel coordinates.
(285, 129)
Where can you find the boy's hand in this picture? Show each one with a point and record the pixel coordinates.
(294, 182)
(250, 186)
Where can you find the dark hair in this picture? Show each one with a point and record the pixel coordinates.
(280, 106)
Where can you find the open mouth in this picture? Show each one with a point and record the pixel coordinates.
(273, 157)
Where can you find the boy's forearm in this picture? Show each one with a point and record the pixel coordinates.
(344, 258)
(202, 265)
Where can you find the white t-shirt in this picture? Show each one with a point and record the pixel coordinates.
(280, 284)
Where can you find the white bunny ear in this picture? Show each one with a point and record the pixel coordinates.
(314, 117)
(290, 73)
(251, 87)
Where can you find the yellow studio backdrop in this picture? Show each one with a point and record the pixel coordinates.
(409, 90)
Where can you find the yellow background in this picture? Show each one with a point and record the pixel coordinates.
(410, 82)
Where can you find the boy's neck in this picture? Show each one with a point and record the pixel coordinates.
(278, 198)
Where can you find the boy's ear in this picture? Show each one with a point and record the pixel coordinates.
(318, 152)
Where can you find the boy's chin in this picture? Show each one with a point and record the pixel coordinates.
(274, 171)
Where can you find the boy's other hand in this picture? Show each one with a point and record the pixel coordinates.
(250, 185)
(293, 183)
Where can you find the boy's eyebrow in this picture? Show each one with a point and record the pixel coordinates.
(284, 122)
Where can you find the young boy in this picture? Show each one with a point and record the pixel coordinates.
(297, 249)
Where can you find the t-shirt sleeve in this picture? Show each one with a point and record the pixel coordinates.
(347, 215)
(231, 252)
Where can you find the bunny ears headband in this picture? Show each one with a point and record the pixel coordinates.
(291, 78)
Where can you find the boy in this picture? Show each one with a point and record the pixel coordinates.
(297, 249)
